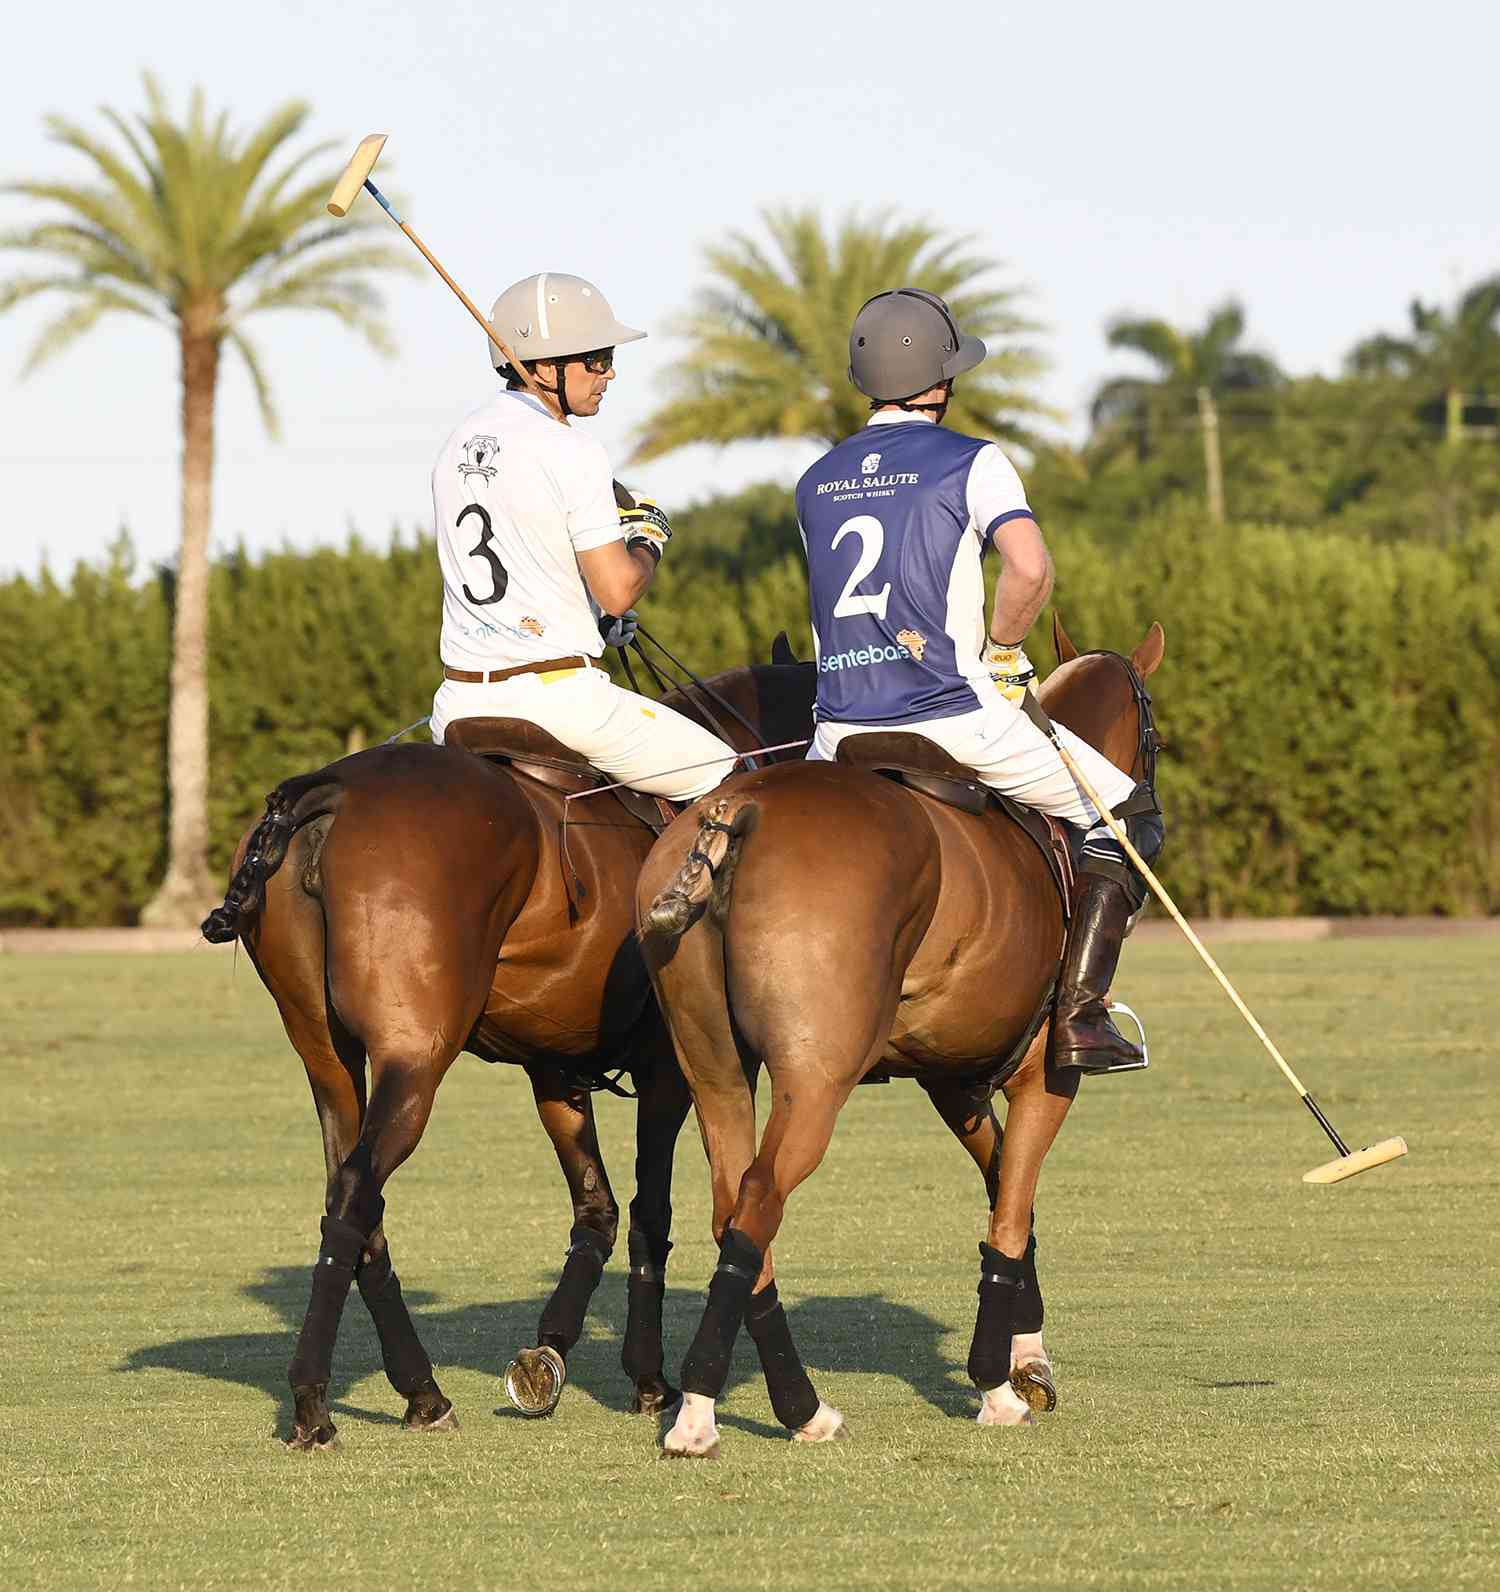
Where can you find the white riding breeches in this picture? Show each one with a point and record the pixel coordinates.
(640, 743)
(1008, 752)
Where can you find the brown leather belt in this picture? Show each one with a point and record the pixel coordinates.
(545, 666)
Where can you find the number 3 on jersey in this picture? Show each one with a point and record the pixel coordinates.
(871, 534)
(499, 576)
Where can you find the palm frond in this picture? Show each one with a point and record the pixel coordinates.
(1160, 342)
(1383, 355)
(264, 401)
(768, 333)
(94, 303)
(184, 217)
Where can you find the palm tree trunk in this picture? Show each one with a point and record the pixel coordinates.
(1213, 469)
(189, 890)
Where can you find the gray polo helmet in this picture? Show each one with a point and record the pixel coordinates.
(552, 316)
(904, 342)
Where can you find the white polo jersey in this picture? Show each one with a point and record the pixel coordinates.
(515, 497)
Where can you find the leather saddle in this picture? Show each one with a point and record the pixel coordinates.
(923, 766)
(531, 751)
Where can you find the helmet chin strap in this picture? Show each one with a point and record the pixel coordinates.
(560, 391)
(936, 410)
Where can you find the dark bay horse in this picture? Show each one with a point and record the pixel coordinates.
(854, 923)
(413, 901)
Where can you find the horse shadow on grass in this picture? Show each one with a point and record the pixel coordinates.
(837, 1334)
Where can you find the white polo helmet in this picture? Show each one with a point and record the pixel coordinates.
(552, 316)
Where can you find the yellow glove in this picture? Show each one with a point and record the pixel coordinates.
(1011, 670)
(646, 526)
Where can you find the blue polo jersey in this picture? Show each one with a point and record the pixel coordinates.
(894, 564)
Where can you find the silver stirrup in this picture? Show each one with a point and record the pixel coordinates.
(1140, 1028)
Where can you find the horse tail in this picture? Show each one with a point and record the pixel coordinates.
(292, 804)
(706, 876)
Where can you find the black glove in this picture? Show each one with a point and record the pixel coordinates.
(618, 632)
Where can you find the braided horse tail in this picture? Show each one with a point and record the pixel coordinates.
(707, 872)
(292, 804)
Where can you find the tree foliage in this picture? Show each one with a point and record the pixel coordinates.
(1314, 766)
(769, 335)
(1450, 355)
(1184, 363)
(192, 224)
(195, 226)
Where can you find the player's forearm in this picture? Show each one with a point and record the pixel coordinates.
(1020, 596)
(644, 573)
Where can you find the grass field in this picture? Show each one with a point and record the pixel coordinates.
(1262, 1384)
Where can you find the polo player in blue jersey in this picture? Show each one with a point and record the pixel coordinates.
(896, 520)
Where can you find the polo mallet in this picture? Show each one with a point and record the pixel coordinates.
(356, 176)
(1349, 1161)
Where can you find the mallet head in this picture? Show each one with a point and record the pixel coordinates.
(1360, 1161)
(353, 179)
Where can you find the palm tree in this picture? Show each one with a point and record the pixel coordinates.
(186, 223)
(1192, 368)
(770, 336)
(1451, 354)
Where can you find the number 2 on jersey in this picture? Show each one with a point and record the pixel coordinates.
(871, 534)
(499, 576)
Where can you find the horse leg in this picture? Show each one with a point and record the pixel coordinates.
(726, 1123)
(1038, 1102)
(661, 1110)
(335, 1063)
(534, 1379)
(969, 1112)
(400, 1104)
(796, 1137)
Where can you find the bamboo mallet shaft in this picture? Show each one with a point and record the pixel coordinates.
(1349, 1161)
(355, 176)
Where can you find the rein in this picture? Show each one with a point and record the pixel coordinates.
(703, 686)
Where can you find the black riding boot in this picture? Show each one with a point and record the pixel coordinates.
(1082, 1034)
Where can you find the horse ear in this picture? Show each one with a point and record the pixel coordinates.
(1147, 656)
(781, 649)
(1066, 651)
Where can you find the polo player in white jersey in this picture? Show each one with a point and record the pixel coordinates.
(896, 520)
(537, 559)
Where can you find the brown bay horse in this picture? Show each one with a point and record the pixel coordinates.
(857, 924)
(412, 901)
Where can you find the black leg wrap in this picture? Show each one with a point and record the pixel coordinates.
(791, 1390)
(706, 1368)
(1141, 815)
(1002, 1285)
(562, 1319)
(641, 1355)
(1029, 1306)
(407, 1367)
(312, 1362)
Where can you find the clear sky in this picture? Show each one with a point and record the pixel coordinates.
(1324, 161)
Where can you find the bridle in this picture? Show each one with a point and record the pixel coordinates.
(1150, 741)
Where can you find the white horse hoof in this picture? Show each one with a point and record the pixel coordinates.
(827, 1426)
(1001, 1406)
(695, 1433)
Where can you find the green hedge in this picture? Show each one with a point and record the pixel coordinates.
(1332, 705)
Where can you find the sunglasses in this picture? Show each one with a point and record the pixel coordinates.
(598, 361)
